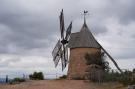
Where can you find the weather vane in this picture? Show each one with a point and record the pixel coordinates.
(85, 13)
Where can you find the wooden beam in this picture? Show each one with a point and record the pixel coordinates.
(115, 63)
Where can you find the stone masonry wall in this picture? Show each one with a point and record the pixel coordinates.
(77, 62)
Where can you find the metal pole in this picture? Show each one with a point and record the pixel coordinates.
(56, 76)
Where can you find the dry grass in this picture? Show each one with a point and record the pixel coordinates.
(112, 86)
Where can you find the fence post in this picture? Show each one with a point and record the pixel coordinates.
(23, 76)
(56, 76)
(6, 78)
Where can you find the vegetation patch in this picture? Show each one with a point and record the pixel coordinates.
(36, 76)
(63, 77)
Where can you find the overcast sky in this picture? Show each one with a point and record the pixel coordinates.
(29, 29)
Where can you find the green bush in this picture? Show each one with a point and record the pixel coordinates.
(78, 77)
(18, 80)
(125, 78)
(36, 76)
(109, 76)
(98, 59)
(63, 77)
(112, 76)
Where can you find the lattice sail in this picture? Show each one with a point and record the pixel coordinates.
(61, 51)
(58, 57)
(62, 27)
(57, 52)
(68, 31)
(64, 57)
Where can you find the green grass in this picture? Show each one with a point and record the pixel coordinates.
(111, 85)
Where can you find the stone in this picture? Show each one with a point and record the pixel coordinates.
(77, 63)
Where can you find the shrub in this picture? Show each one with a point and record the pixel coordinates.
(125, 78)
(97, 65)
(78, 77)
(36, 76)
(63, 77)
(112, 76)
(18, 80)
(97, 59)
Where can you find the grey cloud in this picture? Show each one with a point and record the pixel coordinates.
(122, 53)
(133, 36)
(122, 10)
(97, 27)
(6, 62)
(27, 30)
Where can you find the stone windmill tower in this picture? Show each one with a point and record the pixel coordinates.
(81, 43)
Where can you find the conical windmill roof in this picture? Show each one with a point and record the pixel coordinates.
(83, 39)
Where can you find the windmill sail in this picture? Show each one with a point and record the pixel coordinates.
(61, 51)
(56, 50)
(68, 32)
(63, 60)
(62, 27)
(56, 61)
(66, 55)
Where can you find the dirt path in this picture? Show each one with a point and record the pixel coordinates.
(55, 84)
(49, 84)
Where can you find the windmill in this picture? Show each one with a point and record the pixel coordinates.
(60, 50)
(80, 43)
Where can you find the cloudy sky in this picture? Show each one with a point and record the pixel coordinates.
(30, 29)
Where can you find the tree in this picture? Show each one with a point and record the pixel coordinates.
(97, 66)
(98, 59)
(36, 76)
